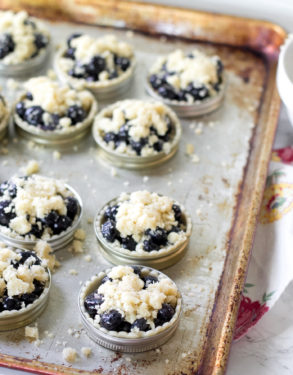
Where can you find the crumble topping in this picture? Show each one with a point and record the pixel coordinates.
(190, 78)
(36, 207)
(21, 37)
(132, 299)
(136, 127)
(143, 222)
(48, 105)
(96, 59)
(22, 278)
(69, 354)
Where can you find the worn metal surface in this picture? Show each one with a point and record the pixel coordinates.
(222, 191)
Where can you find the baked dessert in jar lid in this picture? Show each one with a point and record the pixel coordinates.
(24, 287)
(4, 117)
(130, 309)
(24, 43)
(38, 207)
(143, 228)
(136, 134)
(192, 84)
(103, 65)
(52, 113)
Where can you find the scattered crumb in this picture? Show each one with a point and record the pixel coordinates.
(128, 359)
(51, 74)
(77, 247)
(77, 335)
(198, 212)
(32, 333)
(38, 342)
(192, 126)
(90, 220)
(79, 234)
(88, 258)
(183, 355)
(70, 331)
(4, 162)
(75, 148)
(180, 181)
(114, 172)
(129, 34)
(158, 350)
(195, 158)
(51, 335)
(126, 183)
(169, 183)
(224, 164)
(44, 251)
(86, 351)
(69, 354)
(73, 272)
(189, 149)
(31, 145)
(167, 361)
(31, 167)
(57, 155)
(145, 178)
(12, 84)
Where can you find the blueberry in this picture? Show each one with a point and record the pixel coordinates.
(72, 36)
(137, 146)
(155, 81)
(141, 324)
(29, 96)
(20, 109)
(109, 230)
(39, 287)
(177, 212)
(124, 326)
(136, 270)
(73, 73)
(220, 68)
(70, 53)
(105, 279)
(128, 243)
(149, 279)
(37, 230)
(27, 254)
(164, 315)
(123, 134)
(34, 115)
(40, 41)
(9, 187)
(111, 320)
(29, 22)
(11, 303)
(122, 62)
(174, 229)
(158, 146)
(76, 114)
(72, 207)
(149, 245)
(28, 298)
(58, 223)
(110, 137)
(158, 236)
(167, 92)
(182, 97)
(111, 212)
(113, 75)
(92, 300)
(6, 217)
(95, 67)
(198, 93)
(7, 45)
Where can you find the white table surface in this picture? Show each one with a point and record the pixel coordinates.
(268, 347)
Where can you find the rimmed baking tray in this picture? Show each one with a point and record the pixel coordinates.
(223, 190)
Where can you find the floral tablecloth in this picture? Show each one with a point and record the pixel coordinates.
(271, 265)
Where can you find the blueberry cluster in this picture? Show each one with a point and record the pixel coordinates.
(197, 92)
(122, 136)
(90, 71)
(153, 239)
(9, 303)
(55, 222)
(34, 114)
(113, 320)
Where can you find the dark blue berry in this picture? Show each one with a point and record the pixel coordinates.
(155, 81)
(137, 146)
(177, 213)
(39, 287)
(37, 230)
(113, 74)
(72, 36)
(123, 134)
(29, 96)
(9, 187)
(79, 74)
(41, 40)
(6, 217)
(158, 146)
(122, 62)
(136, 270)
(149, 279)
(111, 320)
(70, 53)
(198, 93)
(124, 326)
(11, 303)
(58, 223)
(72, 207)
(76, 114)
(167, 92)
(158, 236)
(95, 67)
(27, 254)
(28, 298)
(175, 229)
(149, 245)
(109, 230)
(128, 243)
(164, 315)
(105, 279)
(34, 115)
(20, 109)
(110, 137)
(29, 22)
(141, 324)
(92, 301)
(7, 45)
(111, 212)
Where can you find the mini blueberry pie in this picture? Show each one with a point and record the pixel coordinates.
(22, 38)
(131, 302)
(95, 63)
(46, 106)
(4, 116)
(23, 279)
(192, 78)
(36, 207)
(136, 128)
(143, 223)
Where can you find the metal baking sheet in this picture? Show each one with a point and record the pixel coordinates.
(222, 192)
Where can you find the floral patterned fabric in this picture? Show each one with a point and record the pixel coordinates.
(271, 265)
